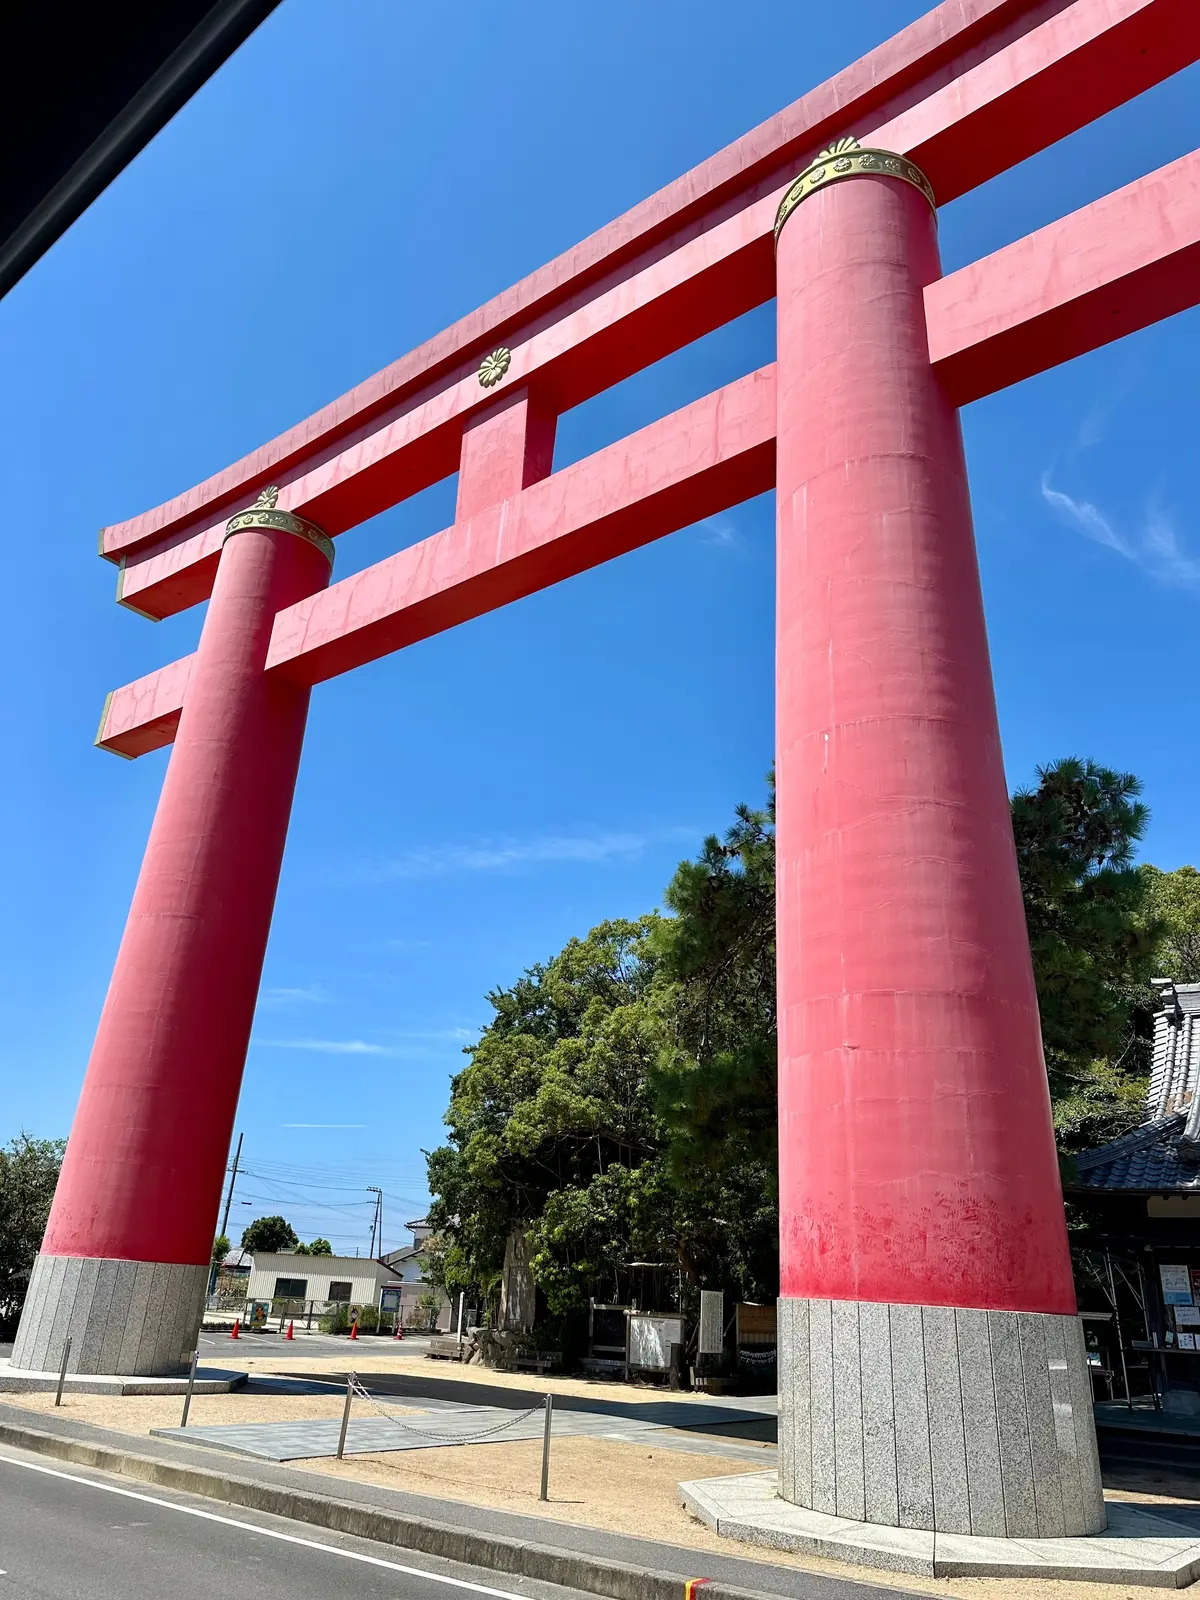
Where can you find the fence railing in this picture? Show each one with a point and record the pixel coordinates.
(337, 1315)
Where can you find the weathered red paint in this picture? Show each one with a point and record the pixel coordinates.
(1114, 266)
(144, 715)
(917, 1160)
(142, 1175)
(709, 456)
(504, 450)
(925, 56)
(693, 464)
(1120, 264)
(999, 83)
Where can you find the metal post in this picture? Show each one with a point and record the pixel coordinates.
(187, 1399)
(346, 1415)
(62, 1372)
(1151, 1338)
(462, 1295)
(1112, 1291)
(544, 1495)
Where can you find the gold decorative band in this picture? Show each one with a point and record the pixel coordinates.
(262, 514)
(848, 159)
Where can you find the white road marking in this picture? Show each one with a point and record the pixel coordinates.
(266, 1533)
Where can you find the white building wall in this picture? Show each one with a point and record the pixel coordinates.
(365, 1277)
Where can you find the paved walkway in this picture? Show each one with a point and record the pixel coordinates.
(667, 1425)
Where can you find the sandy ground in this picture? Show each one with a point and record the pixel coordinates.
(362, 1357)
(599, 1483)
(626, 1488)
(138, 1413)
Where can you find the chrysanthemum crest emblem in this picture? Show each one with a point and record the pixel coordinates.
(492, 368)
(266, 500)
(839, 148)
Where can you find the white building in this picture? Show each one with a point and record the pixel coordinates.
(354, 1280)
(408, 1263)
(408, 1267)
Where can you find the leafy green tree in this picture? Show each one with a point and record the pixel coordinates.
(1173, 902)
(621, 1105)
(714, 1081)
(319, 1247)
(428, 1305)
(1084, 905)
(28, 1174)
(220, 1249)
(554, 1100)
(1093, 942)
(267, 1234)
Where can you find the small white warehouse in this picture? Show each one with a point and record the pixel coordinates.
(353, 1280)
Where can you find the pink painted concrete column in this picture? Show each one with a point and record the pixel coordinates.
(504, 450)
(925, 1274)
(125, 1256)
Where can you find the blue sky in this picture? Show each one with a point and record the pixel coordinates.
(359, 175)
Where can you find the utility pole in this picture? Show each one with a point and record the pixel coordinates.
(233, 1172)
(377, 1217)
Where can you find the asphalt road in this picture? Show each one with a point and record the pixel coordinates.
(67, 1533)
(216, 1347)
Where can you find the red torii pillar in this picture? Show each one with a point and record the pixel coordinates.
(932, 1370)
(125, 1259)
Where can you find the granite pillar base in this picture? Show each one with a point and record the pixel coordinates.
(938, 1417)
(137, 1318)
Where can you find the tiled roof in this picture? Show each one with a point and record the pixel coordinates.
(1153, 1158)
(1175, 1074)
(1164, 1153)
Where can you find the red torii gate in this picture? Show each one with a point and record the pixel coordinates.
(932, 1371)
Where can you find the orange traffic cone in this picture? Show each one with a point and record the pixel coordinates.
(291, 1333)
(354, 1329)
(237, 1322)
(399, 1329)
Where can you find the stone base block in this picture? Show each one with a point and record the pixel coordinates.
(137, 1318)
(209, 1380)
(938, 1418)
(1150, 1546)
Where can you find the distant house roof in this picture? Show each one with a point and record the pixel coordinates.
(238, 1260)
(1164, 1153)
(393, 1257)
(317, 1266)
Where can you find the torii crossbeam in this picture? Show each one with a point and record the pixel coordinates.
(931, 1366)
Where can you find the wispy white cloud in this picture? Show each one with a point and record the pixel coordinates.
(311, 994)
(433, 861)
(330, 1047)
(450, 1035)
(1155, 545)
(322, 1124)
(720, 533)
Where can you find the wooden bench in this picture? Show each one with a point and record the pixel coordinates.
(535, 1361)
(446, 1349)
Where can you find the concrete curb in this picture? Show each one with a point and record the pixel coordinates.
(617, 1580)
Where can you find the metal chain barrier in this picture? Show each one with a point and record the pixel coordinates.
(435, 1433)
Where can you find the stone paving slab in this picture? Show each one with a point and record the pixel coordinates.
(1144, 1545)
(446, 1424)
(209, 1380)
